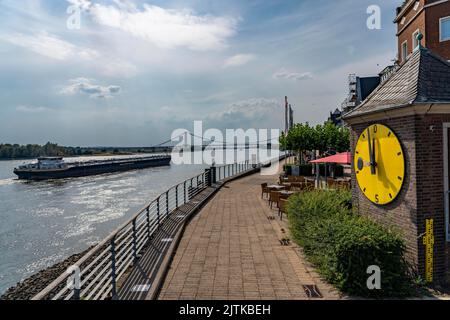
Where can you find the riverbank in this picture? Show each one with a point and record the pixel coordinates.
(28, 288)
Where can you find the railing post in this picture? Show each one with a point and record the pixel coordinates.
(184, 197)
(176, 196)
(148, 223)
(113, 268)
(134, 240)
(158, 212)
(167, 203)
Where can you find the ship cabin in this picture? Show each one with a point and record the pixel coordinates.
(45, 163)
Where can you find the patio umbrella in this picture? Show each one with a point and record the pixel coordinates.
(340, 158)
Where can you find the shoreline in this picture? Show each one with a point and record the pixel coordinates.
(29, 287)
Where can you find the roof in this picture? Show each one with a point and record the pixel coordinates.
(424, 78)
(341, 158)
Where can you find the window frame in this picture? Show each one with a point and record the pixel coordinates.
(441, 21)
(404, 53)
(414, 39)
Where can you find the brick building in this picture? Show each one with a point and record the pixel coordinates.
(415, 104)
(428, 17)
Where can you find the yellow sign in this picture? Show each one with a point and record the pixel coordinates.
(379, 164)
(428, 242)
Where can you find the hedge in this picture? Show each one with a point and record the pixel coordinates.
(342, 245)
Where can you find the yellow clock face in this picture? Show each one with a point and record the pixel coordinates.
(379, 164)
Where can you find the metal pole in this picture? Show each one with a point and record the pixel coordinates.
(158, 213)
(113, 268)
(184, 197)
(148, 223)
(134, 240)
(167, 203)
(176, 196)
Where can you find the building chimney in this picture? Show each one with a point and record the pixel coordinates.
(286, 116)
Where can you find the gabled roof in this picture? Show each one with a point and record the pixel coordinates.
(423, 78)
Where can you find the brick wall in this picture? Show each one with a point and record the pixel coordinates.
(428, 23)
(412, 24)
(433, 14)
(422, 194)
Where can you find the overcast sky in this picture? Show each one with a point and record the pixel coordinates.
(138, 69)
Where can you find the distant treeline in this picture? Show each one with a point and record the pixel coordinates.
(15, 151)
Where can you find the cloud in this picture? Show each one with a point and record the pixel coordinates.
(293, 75)
(50, 46)
(53, 47)
(87, 87)
(249, 113)
(31, 109)
(238, 60)
(167, 28)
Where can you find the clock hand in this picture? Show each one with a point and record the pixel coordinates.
(373, 163)
(372, 167)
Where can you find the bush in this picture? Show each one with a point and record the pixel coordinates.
(343, 245)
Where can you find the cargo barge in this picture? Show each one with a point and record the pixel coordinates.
(56, 168)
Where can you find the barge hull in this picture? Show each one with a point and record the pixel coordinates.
(82, 171)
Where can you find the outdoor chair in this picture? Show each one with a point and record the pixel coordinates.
(274, 197)
(264, 190)
(282, 208)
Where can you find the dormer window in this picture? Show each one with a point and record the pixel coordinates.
(416, 5)
(403, 21)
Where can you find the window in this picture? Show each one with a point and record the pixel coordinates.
(403, 21)
(416, 5)
(444, 29)
(404, 51)
(415, 42)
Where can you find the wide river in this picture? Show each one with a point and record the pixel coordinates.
(42, 223)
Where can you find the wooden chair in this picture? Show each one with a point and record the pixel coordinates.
(264, 190)
(282, 208)
(274, 197)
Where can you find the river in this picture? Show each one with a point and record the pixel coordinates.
(42, 223)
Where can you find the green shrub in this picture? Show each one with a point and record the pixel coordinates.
(343, 245)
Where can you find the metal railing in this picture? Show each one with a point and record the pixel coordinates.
(98, 274)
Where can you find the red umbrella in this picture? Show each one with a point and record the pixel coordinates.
(341, 158)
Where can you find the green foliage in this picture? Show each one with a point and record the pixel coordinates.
(15, 151)
(326, 137)
(343, 245)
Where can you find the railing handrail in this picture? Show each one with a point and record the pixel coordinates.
(112, 235)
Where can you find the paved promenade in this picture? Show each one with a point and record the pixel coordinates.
(231, 250)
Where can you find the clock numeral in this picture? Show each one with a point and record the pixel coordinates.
(377, 199)
(389, 134)
(375, 129)
(399, 154)
(363, 135)
(390, 195)
(364, 190)
(399, 178)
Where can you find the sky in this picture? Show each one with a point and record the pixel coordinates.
(132, 71)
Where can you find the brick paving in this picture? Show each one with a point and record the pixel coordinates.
(232, 251)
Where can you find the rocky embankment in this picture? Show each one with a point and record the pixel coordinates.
(31, 286)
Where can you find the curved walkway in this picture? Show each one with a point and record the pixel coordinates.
(231, 250)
